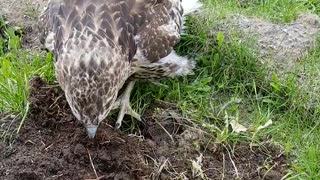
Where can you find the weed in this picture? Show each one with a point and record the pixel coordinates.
(31, 11)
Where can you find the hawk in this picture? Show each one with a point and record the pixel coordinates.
(103, 46)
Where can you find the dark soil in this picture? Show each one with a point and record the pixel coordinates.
(53, 145)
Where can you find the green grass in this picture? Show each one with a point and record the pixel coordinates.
(302, 118)
(230, 82)
(279, 11)
(17, 67)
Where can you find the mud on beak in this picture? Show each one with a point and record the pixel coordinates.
(92, 130)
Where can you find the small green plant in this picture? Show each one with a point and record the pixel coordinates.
(31, 11)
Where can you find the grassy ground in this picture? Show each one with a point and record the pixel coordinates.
(230, 84)
(17, 66)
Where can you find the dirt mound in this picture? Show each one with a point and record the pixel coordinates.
(283, 44)
(53, 145)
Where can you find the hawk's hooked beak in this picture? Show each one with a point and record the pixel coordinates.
(92, 131)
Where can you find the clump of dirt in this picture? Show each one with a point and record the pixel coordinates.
(53, 145)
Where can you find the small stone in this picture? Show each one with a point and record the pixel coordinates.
(104, 157)
(79, 150)
(151, 143)
(272, 174)
(67, 154)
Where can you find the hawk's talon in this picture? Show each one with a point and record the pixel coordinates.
(125, 108)
(124, 104)
(117, 126)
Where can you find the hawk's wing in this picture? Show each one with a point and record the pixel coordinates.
(45, 22)
(155, 55)
(156, 39)
(118, 21)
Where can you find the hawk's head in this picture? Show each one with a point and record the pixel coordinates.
(91, 80)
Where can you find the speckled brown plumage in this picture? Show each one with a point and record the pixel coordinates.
(99, 44)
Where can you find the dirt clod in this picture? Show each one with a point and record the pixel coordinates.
(79, 150)
(28, 176)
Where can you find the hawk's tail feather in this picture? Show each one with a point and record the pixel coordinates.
(170, 66)
(190, 6)
(182, 65)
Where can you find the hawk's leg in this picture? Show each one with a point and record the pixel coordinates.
(123, 102)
